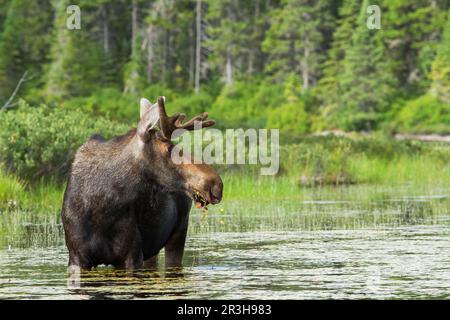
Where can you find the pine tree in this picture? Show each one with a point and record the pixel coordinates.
(411, 34)
(4, 4)
(365, 86)
(80, 63)
(295, 41)
(134, 71)
(226, 29)
(328, 89)
(24, 43)
(440, 74)
(169, 43)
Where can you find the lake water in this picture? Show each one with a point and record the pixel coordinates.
(345, 243)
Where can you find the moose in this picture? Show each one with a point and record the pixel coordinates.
(126, 199)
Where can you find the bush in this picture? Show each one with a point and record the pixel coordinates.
(319, 160)
(109, 103)
(290, 118)
(424, 114)
(36, 142)
(231, 106)
(112, 104)
(191, 104)
(340, 160)
(248, 104)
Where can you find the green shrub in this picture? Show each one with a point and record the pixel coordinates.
(112, 104)
(289, 117)
(36, 142)
(191, 104)
(248, 104)
(268, 96)
(336, 160)
(152, 92)
(231, 105)
(318, 160)
(424, 114)
(109, 103)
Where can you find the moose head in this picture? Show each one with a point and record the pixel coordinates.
(199, 181)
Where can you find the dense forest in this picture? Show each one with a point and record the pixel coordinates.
(298, 65)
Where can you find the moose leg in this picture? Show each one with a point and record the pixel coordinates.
(131, 252)
(134, 261)
(151, 263)
(174, 248)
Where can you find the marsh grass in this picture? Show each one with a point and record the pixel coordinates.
(323, 208)
(29, 214)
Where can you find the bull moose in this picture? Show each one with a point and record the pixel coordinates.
(126, 199)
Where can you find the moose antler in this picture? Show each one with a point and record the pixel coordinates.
(170, 124)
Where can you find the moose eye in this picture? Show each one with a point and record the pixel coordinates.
(170, 148)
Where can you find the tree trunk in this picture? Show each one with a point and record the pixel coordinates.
(130, 83)
(192, 46)
(164, 45)
(150, 53)
(164, 64)
(198, 43)
(229, 69)
(252, 55)
(134, 26)
(305, 65)
(305, 70)
(105, 29)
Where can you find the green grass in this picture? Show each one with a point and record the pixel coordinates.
(10, 188)
(29, 212)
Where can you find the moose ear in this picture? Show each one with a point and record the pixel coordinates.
(145, 106)
(149, 117)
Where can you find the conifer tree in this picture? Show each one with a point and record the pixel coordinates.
(79, 61)
(333, 67)
(366, 84)
(295, 41)
(411, 35)
(440, 74)
(24, 43)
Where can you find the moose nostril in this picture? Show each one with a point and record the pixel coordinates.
(216, 193)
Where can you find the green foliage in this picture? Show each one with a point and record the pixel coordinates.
(254, 57)
(410, 35)
(291, 117)
(440, 73)
(41, 141)
(192, 104)
(294, 43)
(80, 63)
(366, 85)
(333, 67)
(231, 107)
(291, 114)
(20, 49)
(10, 187)
(109, 103)
(423, 115)
(333, 160)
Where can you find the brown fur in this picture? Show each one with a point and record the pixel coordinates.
(125, 200)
